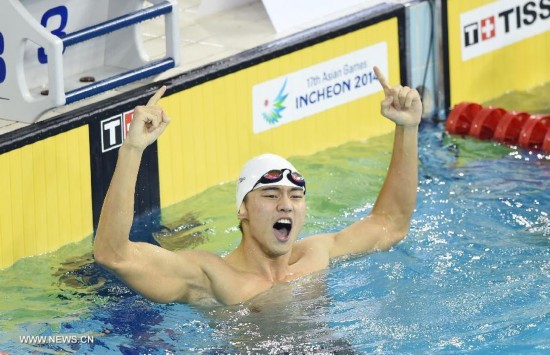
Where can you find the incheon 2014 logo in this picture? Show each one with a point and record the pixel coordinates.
(272, 113)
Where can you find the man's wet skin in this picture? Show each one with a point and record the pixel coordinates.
(291, 317)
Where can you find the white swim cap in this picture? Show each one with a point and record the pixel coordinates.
(255, 168)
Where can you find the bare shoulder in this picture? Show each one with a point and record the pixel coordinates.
(318, 242)
(198, 255)
(313, 251)
(204, 259)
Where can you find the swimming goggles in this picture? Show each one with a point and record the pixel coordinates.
(276, 175)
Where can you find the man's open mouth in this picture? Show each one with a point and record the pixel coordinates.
(282, 229)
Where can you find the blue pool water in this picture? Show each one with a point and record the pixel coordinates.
(472, 276)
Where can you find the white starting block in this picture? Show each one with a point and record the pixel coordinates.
(45, 64)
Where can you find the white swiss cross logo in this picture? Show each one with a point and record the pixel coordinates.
(487, 28)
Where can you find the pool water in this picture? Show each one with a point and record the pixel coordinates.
(472, 276)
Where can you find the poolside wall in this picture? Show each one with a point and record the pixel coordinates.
(54, 174)
(484, 64)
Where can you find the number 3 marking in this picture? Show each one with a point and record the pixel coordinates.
(63, 13)
(3, 68)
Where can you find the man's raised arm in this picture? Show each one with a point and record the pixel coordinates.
(156, 273)
(389, 220)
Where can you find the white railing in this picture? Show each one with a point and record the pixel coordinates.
(52, 55)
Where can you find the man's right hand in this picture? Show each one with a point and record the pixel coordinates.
(148, 123)
(402, 104)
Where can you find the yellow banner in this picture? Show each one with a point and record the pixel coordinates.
(211, 135)
(496, 47)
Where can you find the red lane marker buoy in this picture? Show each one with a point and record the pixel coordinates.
(509, 127)
(546, 142)
(461, 117)
(514, 128)
(534, 132)
(485, 122)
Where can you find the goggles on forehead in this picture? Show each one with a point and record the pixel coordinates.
(276, 175)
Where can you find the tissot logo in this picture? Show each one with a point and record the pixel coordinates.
(114, 129)
(488, 28)
(471, 31)
(502, 23)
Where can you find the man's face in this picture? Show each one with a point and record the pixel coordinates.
(274, 216)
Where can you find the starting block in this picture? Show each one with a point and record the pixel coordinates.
(55, 52)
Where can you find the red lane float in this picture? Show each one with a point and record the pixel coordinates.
(513, 127)
(461, 117)
(534, 131)
(509, 127)
(485, 122)
(546, 143)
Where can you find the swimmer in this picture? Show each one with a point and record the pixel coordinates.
(271, 209)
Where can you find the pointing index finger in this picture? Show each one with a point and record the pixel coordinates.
(382, 79)
(156, 97)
